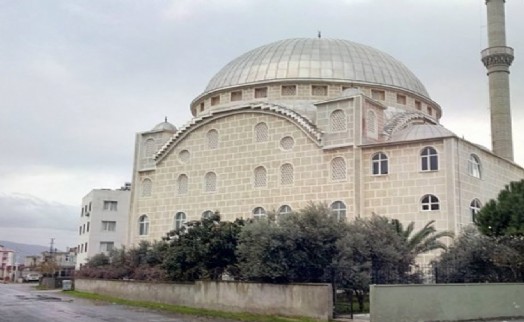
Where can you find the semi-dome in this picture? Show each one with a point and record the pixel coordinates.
(317, 59)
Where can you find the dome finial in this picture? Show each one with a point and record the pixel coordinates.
(319, 34)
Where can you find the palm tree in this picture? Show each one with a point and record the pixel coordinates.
(422, 241)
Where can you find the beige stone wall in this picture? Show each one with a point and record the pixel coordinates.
(234, 162)
(307, 300)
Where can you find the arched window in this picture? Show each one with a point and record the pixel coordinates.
(284, 210)
(429, 159)
(338, 169)
(210, 182)
(212, 139)
(474, 207)
(371, 122)
(337, 121)
(339, 210)
(143, 225)
(259, 212)
(207, 214)
(429, 203)
(287, 143)
(260, 177)
(149, 147)
(146, 187)
(474, 166)
(180, 220)
(380, 163)
(184, 156)
(286, 174)
(183, 183)
(261, 132)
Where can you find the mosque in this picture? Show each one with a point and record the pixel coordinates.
(322, 120)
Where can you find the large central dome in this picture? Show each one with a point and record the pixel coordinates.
(317, 59)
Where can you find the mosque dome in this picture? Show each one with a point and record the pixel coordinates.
(316, 59)
(164, 126)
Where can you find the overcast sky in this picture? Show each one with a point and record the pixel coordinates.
(79, 78)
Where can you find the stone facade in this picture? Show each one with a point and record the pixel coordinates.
(372, 149)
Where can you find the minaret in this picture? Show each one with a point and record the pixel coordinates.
(497, 58)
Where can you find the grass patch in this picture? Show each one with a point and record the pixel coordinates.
(239, 316)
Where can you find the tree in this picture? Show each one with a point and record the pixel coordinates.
(299, 247)
(504, 216)
(425, 240)
(204, 249)
(476, 258)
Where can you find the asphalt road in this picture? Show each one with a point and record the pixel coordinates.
(22, 303)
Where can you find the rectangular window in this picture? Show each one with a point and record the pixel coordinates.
(289, 90)
(85, 247)
(401, 99)
(87, 227)
(418, 105)
(261, 92)
(378, 95)
(319, 90)
(106, 246)
(108, 225)
(236, 96)
(110, 205)
(202, 107)
(215, 100)
(80, 230)
(430, 111)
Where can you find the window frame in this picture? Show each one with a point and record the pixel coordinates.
(429, 159)
(143, 225)
(180, 219)
(432, 203)
(334, 126)
(259, 212)
(340, 211)
(379, 162)
(474, 166)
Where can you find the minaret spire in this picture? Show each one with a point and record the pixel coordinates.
(497, 58)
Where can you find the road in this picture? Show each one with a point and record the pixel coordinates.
(22, 303)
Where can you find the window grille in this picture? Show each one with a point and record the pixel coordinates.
(378, 95)
(215, 100)
(338, 121)
(318, 90)
(210, 182)
(261, 132)
(260, 177)
(372, 122)
(287, 143)
(183, 183)
(149, 148)
(289, 90)
(261, 92)
(212, 139)
(338, 169)
(184, 156)
(147, 186)
(286, 174)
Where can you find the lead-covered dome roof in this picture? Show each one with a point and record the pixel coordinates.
(316, 59)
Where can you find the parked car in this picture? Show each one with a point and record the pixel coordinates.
(32, 277)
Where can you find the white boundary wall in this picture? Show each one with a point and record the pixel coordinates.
(446, 302)
(310, 300)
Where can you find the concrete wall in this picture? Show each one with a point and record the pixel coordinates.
(310, 300)
(450, 302)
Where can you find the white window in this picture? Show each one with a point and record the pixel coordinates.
(429, 159)
(430, 202)
(474, 166)
(212, 139)
(380, 163)
(143, 225)
(108, 225)
(338, 169)
(110, 205)
(339, 210)
(147, 186)
(259, 212)
(284, 210)
(210, 182)
(106, 247)
(207, 214)
(180, 220)
(338, 121)
(474, 207)
(182, 183)
(260, 177)
(261, 132)
(286, 174)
